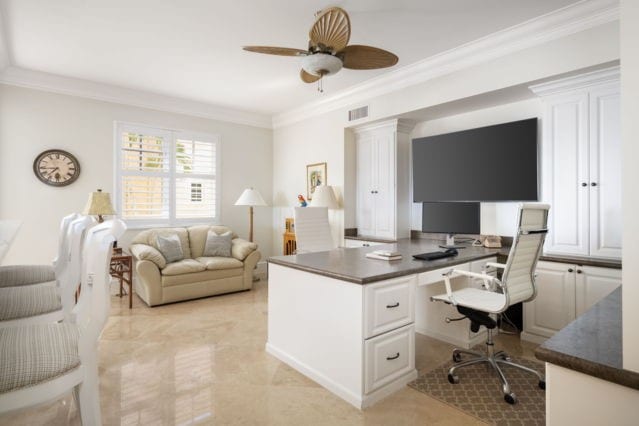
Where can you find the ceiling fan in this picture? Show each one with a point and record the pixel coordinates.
(328, 49)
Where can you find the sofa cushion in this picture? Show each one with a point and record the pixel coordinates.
(170, 248)
(242, 248)
(17, 275)
(219, 262)
(36, 353)
(149, 237)
(199, 278)
(185, 266)
(198, 234)
(217, 245)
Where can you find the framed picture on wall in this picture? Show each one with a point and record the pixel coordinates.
(315, 176)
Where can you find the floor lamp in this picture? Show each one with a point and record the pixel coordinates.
(252, 198)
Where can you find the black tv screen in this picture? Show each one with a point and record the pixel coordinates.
(494, 163)
(451, 218)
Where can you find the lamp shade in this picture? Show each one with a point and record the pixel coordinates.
(250, 197)
(324, 197)
(99, 204)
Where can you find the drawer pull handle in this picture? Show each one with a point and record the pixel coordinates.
(390, 358)
(392, 306)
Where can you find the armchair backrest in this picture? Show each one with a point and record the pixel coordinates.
(8, 230)
(72, 273)
(519, 275)
(312, 230)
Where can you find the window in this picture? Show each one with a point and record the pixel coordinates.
(166, 177)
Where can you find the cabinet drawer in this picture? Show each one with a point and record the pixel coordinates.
(388, 357)
(432, 277)
(360, 243)
(388, 305)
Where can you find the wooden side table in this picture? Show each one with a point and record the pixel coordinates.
(290, 244)
(121, 268)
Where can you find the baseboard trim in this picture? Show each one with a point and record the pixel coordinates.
(464, 344)
(534, 338)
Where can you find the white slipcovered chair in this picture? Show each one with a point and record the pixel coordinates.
(8, 230)
(18, 275)
(312, 230)
(46, 303)
(42, 362)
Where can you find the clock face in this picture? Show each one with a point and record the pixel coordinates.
(56, 167)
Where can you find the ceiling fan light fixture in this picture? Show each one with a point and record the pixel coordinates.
(321, 64)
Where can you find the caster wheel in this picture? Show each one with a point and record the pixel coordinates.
(542, 385)
(510, 398)
(453, 379)
(456, 357)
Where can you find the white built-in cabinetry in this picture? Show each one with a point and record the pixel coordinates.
(382, 179)
(564, 291)
(581, 164)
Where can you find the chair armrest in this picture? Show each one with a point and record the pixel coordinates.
(146, 252)
(496, 265)
(240, 249)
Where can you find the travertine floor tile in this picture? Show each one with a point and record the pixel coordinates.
(203, 362)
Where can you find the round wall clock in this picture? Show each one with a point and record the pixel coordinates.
(56, 167)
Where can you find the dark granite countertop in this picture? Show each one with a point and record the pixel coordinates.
(350, 264)
(577, 260)
(592, 344)
(365, 238)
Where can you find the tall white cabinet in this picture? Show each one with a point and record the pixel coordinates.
(581, 164)
(382, 179)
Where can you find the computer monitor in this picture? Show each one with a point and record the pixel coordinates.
(451, 219)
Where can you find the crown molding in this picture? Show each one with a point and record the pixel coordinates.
(21, 77)
(569, 20)
(401, 125)
(608, 75)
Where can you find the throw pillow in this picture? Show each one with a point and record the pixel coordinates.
(170, 247)
(218, 245)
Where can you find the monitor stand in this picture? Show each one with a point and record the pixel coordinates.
(450, 243)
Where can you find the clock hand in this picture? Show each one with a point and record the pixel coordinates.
(51, 172)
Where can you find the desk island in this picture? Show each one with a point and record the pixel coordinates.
(349, 322)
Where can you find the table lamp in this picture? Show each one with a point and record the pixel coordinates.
(324, 197)
(252, 198)
(99, 205)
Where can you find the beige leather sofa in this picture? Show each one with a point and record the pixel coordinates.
(159, 282)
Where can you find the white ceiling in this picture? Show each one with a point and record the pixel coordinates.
(192, 48)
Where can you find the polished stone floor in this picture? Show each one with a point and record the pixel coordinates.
(203, 362)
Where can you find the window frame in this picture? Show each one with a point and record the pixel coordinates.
(172, 136)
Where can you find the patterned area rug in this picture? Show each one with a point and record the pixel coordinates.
(478, 392)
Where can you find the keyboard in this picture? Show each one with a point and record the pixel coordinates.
(434, 255)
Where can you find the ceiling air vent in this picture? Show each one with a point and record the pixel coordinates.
(358, 113)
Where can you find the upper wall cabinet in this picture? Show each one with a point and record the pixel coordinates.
(382, 179)
(581, 163)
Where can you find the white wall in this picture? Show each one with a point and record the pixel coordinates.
(32, 121)
(322, 137)
(496, 218)
(630, 193)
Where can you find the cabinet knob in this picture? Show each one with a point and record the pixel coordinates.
(593, 184)
(570, 270)
(579, 271)
(366, 245)
(372, 192)
(584, 184)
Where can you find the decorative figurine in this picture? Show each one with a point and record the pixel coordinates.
(302, 201)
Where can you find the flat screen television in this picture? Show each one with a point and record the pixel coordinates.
(451, 218)
(494, 163)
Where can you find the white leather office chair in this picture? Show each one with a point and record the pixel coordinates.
(42, 362)
(517, 284)
(312, 230)
(8, 230)
(17, 275)
(30, 304)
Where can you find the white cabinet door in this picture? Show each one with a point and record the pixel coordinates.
(593, 284)
(385, 188)
(554, 306)
(366, 182)
(565, 183)
(605, 172)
